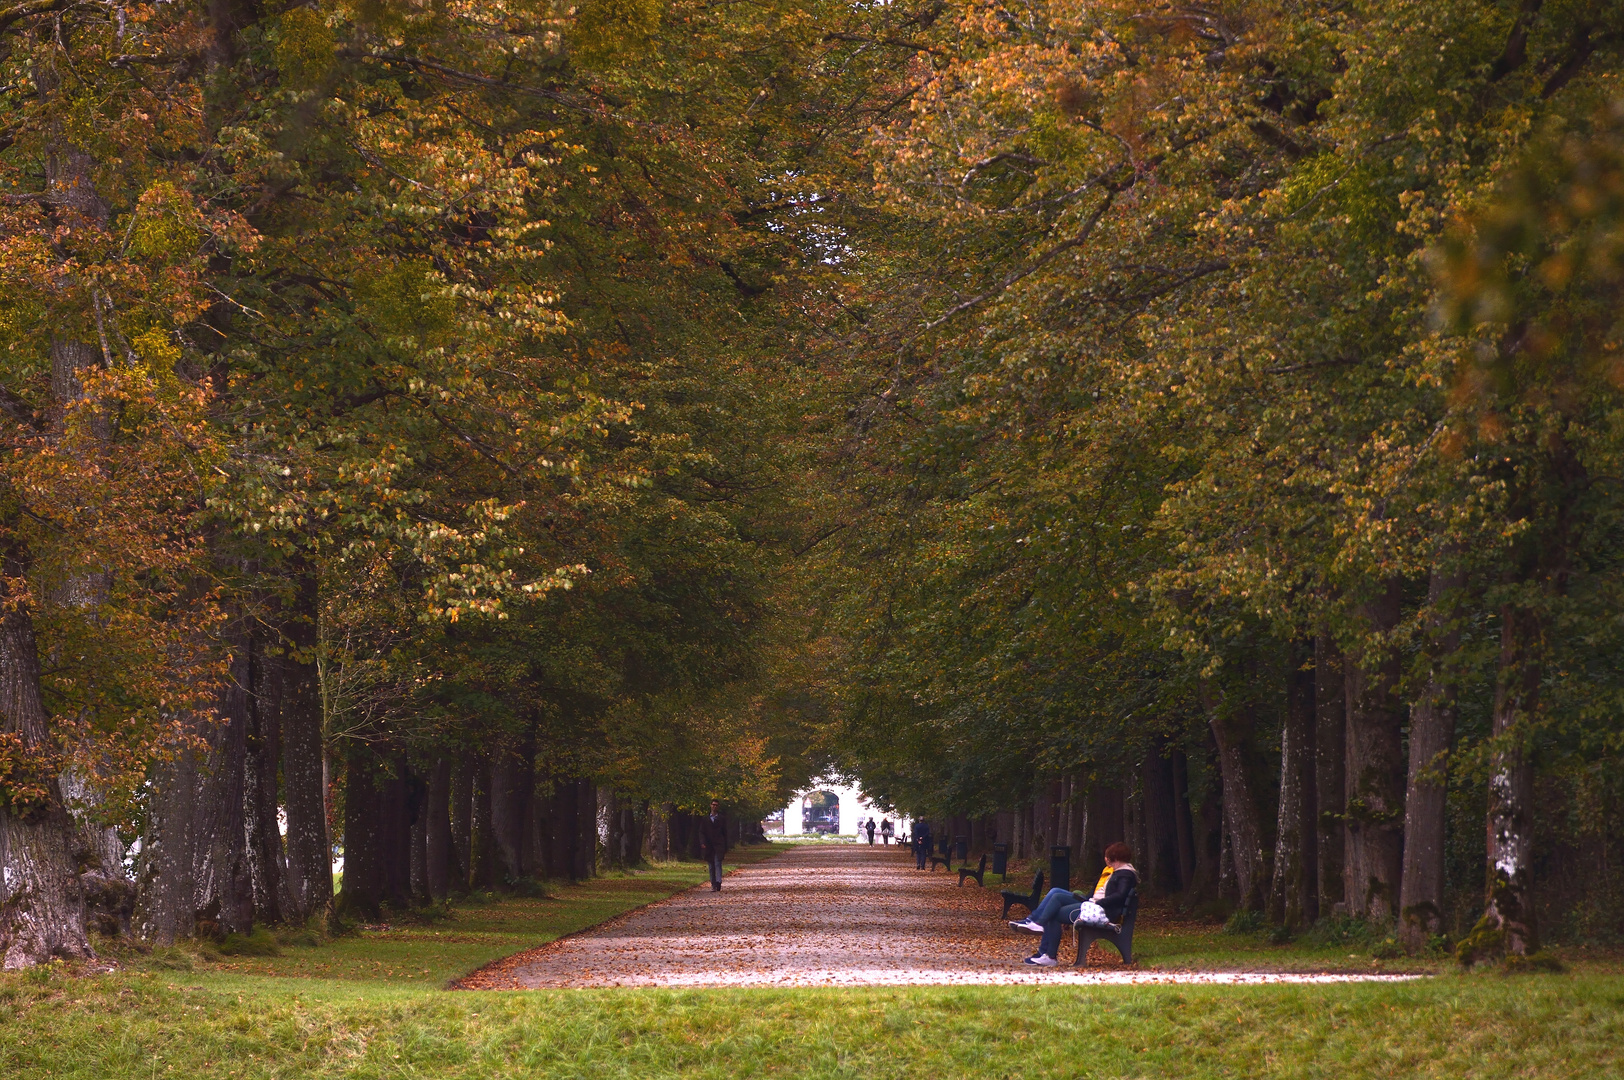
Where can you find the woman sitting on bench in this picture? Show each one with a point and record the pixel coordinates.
(1062, 907)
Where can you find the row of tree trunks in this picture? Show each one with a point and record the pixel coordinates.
(415, 836)
(213, 857)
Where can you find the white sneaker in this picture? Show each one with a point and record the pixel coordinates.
(1026, 924)
(1041, 960)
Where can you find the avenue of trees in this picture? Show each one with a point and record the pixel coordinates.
(468, 437)
(1242, 473)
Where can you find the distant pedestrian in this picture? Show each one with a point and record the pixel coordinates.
(713, 843)
(887, 830)
(921, 843)
(870, 832)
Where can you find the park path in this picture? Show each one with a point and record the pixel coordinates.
(817, 915)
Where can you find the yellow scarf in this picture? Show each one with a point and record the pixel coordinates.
(1105, 876)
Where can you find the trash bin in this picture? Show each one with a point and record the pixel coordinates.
(962, 845)
(946, 844)
(1000, 859)
(1060, 866)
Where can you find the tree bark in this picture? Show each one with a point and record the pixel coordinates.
(437, 831)
(420, 854)
(395, 832)
(462, 823)
(586, 852)
(1432, 733)
(1231, 726)
(362, 894)
(225, 893)
(1330, 769)
(309, 847)
(43, 914)
(1510, 911)
(1161, 823)
(166, 894)
(267, 863)
(1183, 823)
(1374, 856)
(1292, 896)
(486, 873)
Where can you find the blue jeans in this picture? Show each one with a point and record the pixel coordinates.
(715, 861)
(1054, 913)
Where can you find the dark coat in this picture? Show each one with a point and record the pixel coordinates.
(713, 835)
(1115, 900)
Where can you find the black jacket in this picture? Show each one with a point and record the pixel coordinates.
(1115, 900)
(713, 834)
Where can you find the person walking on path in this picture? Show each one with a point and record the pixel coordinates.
(870, 832)
(713, 843)
(921, 843)
(1062, 907)
(887, 830)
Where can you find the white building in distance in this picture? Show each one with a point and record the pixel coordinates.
(831, 807)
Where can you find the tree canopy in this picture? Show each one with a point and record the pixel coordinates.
(470, 437)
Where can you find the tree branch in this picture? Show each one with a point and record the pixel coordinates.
(895, 43)
(30, 8)
(1031, 268)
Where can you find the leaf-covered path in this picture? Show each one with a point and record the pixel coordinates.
(817, 915)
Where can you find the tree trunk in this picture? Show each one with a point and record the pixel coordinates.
(437, 834)
(506, 817)
(586, 852)
(395, 833)
(225, 892)
(1292, 893)
(361, 896)
(1161, 822)
(486, 874)
(462, 823)
(166, 894)
(1183, 823)
(43, 914)
(420, 855)
(1510, 913)
(1231, 727)
(565, 827)
(267, 863)
(309, 847)
(1330, 768)
(1432, 732)
(1374, 857)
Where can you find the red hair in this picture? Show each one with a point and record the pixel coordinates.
(1119, 852)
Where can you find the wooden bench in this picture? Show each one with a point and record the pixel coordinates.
(1085, 935)
(1030, 902)
(978, 873)
(944, 861)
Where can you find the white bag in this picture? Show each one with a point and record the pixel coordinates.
(1091, 914)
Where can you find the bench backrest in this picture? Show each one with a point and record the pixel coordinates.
(1037, 886)
(1130, 912)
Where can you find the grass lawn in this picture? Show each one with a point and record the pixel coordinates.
(374, 1005)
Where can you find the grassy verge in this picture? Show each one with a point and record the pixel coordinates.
(231, 1025)
(373, 1005)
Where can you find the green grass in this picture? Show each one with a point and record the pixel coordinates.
(373, 1005)
(231, 1025)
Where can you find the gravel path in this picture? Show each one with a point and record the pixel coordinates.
(819, 915)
